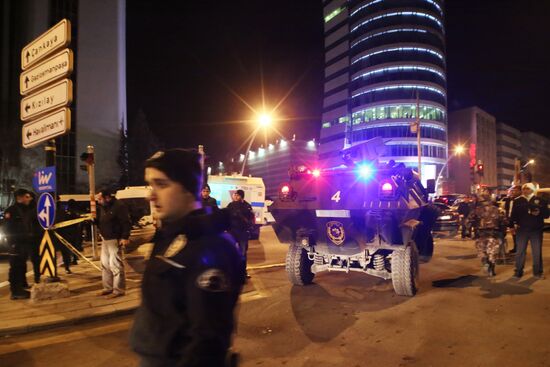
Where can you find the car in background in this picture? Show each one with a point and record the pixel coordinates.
(3, 239)
(448, 199)
(447, 222)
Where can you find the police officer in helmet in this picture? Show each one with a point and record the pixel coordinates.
(194, 275)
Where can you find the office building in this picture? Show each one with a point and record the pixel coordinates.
(273, 162)
(508, 151)
(475, 129)
(382, 59)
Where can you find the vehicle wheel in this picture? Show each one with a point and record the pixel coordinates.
(298, 266)
(404, 271)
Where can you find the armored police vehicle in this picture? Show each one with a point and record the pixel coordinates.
(359, 216)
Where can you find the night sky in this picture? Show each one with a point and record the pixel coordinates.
(187, 61)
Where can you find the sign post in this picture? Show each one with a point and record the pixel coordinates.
(45, 213)
(45, 114)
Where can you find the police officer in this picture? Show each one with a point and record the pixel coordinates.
(528, 214)
(242, 219)
(488, 222)
(19, 232)
(208, 202)
(194, 275)
(513, 193)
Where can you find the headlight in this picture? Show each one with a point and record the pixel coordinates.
(445, 217)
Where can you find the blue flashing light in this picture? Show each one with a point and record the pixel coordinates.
(365, 171)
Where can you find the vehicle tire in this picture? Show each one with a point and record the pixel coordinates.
(298, 266)
(404, 271)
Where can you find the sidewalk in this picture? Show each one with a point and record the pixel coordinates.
(22, 316)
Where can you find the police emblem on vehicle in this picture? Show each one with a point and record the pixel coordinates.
(335, 232)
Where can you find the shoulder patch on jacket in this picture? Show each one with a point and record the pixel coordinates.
(213, 280)
(176, 246)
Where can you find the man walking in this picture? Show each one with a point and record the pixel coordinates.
(242, 218)
(114, 227)
(488, 222)
(527, 217)
(194, 275)
(19, 232)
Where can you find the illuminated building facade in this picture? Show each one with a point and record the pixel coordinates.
(273, 162)
(379, 56)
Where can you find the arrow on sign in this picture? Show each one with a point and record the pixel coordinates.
(45, 213)
(26, 82)
(27, 108)
(28, 55)
(29, 134)
(47, 253)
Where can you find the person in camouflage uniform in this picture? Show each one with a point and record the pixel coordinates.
(487, 221)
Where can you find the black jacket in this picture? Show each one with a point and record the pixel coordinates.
(114, 221)
(19, 225)
(210, 204)
(529, 215)
(242, 216)
(190, 287)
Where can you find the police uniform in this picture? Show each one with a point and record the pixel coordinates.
(528, 215)
(488, 222)
(19, 232)
(242, 218)
(190, 288)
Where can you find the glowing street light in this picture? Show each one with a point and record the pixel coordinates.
(264, 120)
(458, 150)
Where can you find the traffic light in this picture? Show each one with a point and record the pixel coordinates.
(480, 169)
(88, 158)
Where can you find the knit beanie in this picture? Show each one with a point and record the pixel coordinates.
(180, 165)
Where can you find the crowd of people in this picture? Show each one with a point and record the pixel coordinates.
(197, 267)
(521, 215)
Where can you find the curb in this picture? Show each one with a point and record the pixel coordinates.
(4, 333)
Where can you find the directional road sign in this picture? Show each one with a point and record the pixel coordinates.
(47, 256)
(53, 39)
(47, 127)
(55, 96)
(44, 180)
(45, 210)
(52, 69)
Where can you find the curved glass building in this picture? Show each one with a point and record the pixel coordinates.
(383, 58)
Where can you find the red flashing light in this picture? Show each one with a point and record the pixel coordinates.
(285, 189)
(387, 187)
(316, 173)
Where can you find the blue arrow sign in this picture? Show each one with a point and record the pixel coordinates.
(43, 180)
(45, 210)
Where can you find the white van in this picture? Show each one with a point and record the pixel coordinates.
(139, 207)
(223, 187)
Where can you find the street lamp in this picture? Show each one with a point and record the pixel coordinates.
(264, 120)
(458, 150)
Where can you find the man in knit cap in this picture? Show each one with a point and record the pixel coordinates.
(194, 275)
(527, 218)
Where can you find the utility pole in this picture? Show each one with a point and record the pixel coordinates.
(90, 161)
(415, 128)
